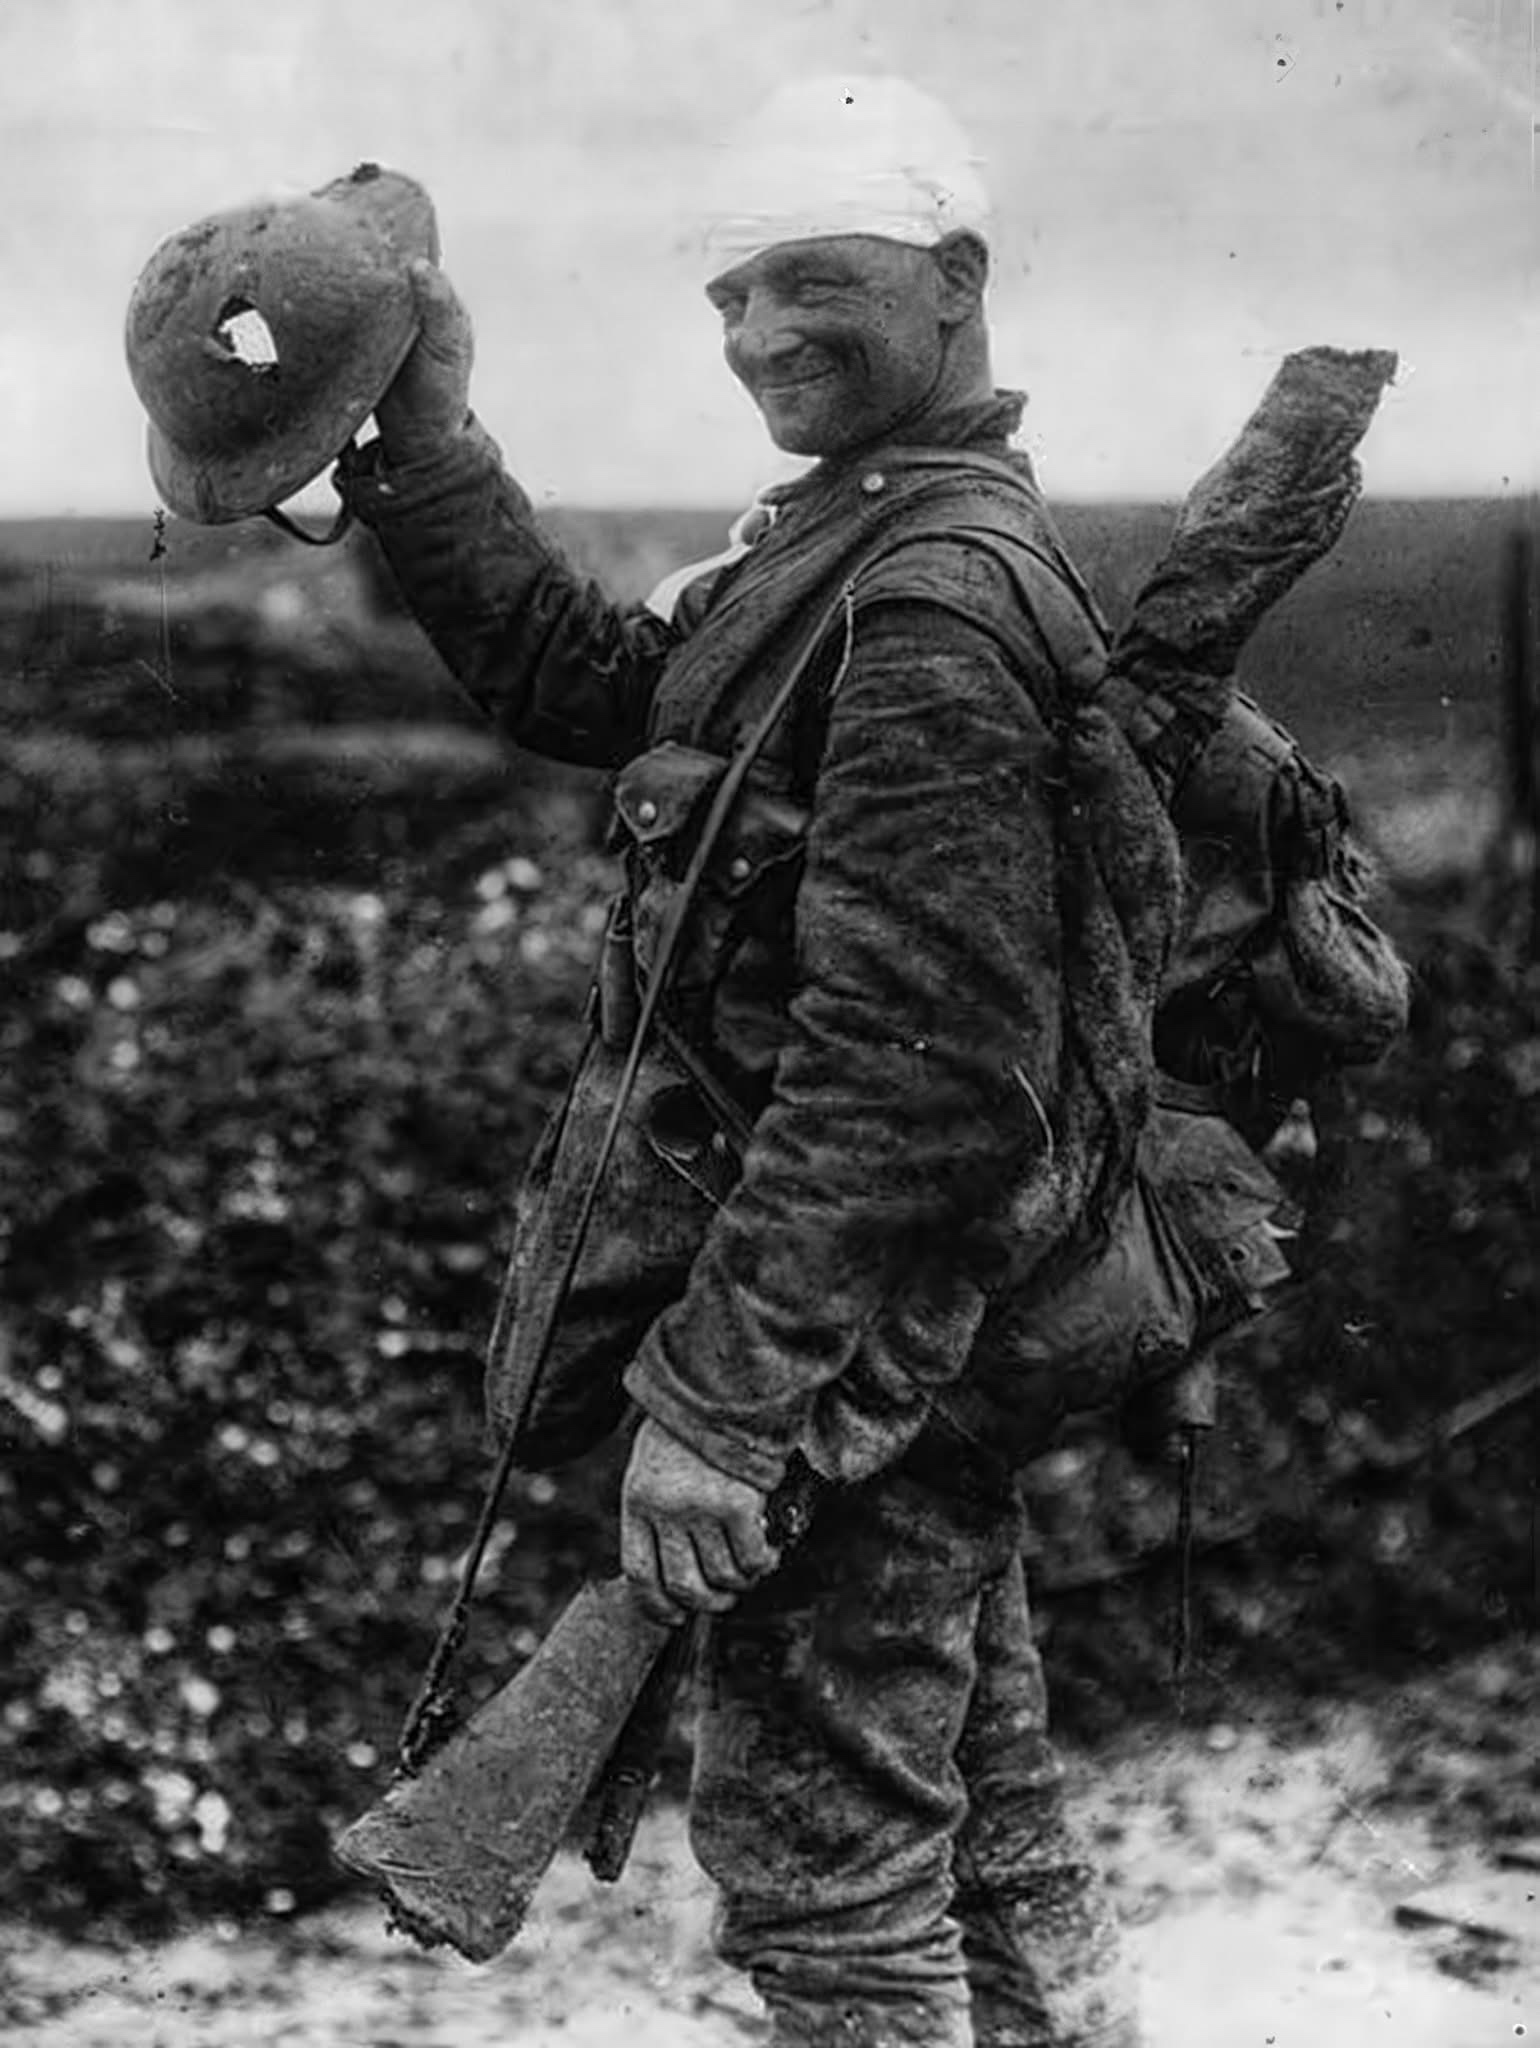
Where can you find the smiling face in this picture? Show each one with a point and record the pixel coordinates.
(839, 340)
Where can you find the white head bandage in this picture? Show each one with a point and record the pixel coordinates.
(845, 156)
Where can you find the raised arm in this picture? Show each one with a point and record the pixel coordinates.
(557, 666)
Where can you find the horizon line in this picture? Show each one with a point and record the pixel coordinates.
(1516, 496)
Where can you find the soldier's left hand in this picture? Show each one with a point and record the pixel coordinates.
(692, 1537)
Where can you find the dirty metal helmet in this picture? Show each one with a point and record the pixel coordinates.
(260, 340)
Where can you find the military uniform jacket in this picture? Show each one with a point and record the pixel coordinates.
(878, 967)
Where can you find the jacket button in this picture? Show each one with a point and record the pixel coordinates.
(647, 812)
(739, 870)
(873, 482)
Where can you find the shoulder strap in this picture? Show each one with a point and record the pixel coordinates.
(1062, 612)
(1165, 733)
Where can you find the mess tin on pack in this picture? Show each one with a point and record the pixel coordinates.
(260, 340)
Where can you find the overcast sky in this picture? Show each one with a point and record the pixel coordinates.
(1185, 189)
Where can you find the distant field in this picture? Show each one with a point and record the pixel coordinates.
(1391, 641)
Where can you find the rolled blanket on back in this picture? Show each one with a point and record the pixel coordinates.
(1273, 504)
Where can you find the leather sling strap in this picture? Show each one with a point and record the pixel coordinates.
(427, 1719)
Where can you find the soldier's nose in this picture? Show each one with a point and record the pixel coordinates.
(765, 347)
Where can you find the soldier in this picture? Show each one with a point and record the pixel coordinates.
(857, 1117)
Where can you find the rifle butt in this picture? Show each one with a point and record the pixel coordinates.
(459, 1849)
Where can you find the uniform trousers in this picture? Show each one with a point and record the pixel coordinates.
(875, 1794)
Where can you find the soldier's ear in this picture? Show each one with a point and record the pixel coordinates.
(962, 258)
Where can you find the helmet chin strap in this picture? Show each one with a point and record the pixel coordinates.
(333, 533)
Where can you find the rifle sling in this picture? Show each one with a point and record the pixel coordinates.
(426, 1720)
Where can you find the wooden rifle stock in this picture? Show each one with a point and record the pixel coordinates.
(458, 1849)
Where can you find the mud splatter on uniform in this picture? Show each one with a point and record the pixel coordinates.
(877, 962)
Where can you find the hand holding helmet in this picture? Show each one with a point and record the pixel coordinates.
(429, 396)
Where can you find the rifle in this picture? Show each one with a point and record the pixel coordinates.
(462, 1838)
(567, 1748)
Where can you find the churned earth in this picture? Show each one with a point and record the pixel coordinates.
(1311, 1877)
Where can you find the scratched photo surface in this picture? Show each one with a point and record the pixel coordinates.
(296, 951)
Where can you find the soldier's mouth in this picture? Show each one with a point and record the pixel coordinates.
(777, 387)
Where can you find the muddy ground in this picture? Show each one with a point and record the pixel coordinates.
(1311, 1877)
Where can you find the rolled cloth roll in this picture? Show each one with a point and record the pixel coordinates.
(1274, 503)
(844, 156)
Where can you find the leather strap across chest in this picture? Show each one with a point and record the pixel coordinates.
(752, 632)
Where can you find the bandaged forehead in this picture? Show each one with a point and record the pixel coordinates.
(837, 156)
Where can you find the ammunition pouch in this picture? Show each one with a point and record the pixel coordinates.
(749, 881)
(678, 1153)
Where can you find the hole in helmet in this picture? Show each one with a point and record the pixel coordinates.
(246, 336)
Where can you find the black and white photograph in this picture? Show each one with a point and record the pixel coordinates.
(769, 1023)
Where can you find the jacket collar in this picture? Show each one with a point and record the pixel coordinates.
(985, 425)
(982, 428)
